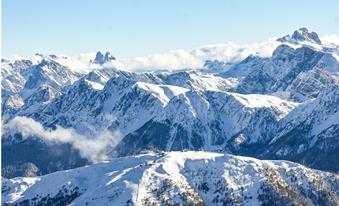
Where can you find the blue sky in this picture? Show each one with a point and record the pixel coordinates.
(130, 28)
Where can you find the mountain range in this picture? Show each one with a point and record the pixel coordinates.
(281, 107)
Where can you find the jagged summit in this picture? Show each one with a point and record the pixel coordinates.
(302, 34)
(101, 59)
(49, 56)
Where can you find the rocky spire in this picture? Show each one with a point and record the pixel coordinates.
(101, 59)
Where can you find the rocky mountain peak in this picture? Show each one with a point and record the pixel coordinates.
(302, 34)
(101, 59)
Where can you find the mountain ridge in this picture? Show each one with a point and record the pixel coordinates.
(178, 178)
(232, 107)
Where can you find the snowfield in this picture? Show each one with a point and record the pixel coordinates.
(187, 178)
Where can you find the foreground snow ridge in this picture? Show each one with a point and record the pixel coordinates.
(186, 178)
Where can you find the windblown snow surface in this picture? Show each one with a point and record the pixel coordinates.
(178, 178)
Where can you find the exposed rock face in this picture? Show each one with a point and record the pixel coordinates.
(101, 59)
(301, 35)
(304, 35)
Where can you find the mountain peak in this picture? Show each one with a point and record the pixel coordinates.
(101, 59)
(302, 34)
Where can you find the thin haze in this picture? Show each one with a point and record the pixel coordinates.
(130, 28)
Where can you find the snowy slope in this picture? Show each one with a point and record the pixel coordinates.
(22, 79)
(310, 133)
(122, 103)
(197, 80)
(103, 99)
(188, 178)
(308, 85)
(207, 120)
(12, 80)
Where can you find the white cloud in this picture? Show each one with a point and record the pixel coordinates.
(174, 59)
(195, 58)
(94, 149)
(328, 39)
(180, 58)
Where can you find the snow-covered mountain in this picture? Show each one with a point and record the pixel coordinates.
(178, 178)
(285, 71)
(310, 133)
(25, 83)
(207, 120)
(118, 99)
(298, 69)
(282, 106)
(12, 80)
(301, 35)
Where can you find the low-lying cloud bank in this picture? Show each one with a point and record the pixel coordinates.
(180, 58)
(330, 39)
(195, 58)
(94, 149)
(172, 60)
